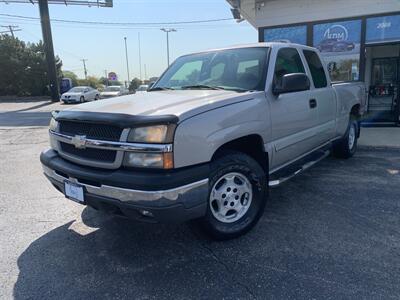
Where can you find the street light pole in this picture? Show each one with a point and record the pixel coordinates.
(127, 62)
(167, 31)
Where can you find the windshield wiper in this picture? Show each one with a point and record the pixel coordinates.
(200, 86)
(160, 88)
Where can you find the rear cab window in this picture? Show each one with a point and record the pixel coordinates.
(316, 68)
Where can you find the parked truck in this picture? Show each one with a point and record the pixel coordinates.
(212, 135)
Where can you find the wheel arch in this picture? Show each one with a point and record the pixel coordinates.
(252, 145)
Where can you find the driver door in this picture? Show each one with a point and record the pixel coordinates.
(293, 115)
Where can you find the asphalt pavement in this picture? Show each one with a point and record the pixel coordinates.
(331, 233)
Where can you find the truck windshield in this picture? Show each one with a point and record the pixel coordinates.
(240, 70)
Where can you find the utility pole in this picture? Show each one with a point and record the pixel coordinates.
(49, 50)
(106, 76)
(127, 62)
(167, 31)
(140, 58)
(145, 72)
(84, 60)
(11, 29)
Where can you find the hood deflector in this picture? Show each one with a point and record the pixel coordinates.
(120, 120)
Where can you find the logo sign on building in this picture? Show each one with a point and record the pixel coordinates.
(348, 31)
(339, 44)
(293, 34)
(112, 76)
(383, 29)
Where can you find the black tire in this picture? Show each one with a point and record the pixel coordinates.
(236, 162)
(96, 98)
(82, 99)
(342, 148)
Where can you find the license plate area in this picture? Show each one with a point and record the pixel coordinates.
(74, 192)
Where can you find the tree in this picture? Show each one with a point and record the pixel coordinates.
(134, 84)
(23, 69)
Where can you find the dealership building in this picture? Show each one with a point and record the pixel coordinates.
(358, 39)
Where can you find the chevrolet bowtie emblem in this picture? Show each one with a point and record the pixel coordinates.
(79, 141)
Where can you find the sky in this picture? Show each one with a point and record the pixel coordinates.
(103, 45)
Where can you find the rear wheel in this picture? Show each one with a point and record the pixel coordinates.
(96, 97)
(347, 146)
(82, 99)
(237, 196)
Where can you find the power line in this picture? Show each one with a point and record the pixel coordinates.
(11, 29)
(121, 23)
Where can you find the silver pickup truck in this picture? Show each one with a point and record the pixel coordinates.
(212, 135)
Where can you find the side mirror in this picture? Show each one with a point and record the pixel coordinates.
(294, 82)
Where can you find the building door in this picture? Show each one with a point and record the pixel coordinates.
(384, 89)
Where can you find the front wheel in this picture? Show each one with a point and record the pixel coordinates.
(82, 99)
(347, 146)
(237, 196)
(96, 97)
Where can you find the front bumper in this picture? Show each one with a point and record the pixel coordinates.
(70, 100)
(166, 196)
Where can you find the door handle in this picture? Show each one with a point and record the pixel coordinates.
(313, 103)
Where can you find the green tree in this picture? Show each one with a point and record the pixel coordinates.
(23, 69)
(134, 84)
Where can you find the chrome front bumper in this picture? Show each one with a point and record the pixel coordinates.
(181, 195)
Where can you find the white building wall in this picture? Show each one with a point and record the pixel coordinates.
(262, 13)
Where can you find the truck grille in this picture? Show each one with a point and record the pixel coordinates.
(92, 131)
(99, 155)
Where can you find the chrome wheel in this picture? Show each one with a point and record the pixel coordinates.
(231, 197)
(352, 136)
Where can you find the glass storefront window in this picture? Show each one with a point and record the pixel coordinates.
(383, 29)
(339, 44)
(293, 34)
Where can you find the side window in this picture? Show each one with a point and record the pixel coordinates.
(217, 71)
(288, 61)
(316, 68)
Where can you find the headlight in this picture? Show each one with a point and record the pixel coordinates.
(152, 134)
(149, 160)
(53, 124)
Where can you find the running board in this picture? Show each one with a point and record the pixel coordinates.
(277, 182)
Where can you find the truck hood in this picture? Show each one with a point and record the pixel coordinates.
(182, 104)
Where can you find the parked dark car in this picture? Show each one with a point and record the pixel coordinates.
(334, 45)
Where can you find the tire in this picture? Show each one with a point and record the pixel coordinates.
(82, 99)
(237, 195)
(96, 98)
(347, 146)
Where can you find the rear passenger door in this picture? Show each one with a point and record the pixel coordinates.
(293, 117)
(324, 96)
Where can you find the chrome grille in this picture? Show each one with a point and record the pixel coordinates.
(91, 130)
(100, 155)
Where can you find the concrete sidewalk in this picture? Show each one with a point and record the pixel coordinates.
(385, 137)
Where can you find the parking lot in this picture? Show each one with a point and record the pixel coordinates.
(331, 233)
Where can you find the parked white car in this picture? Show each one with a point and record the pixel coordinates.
(113, 91)
(142, 88)
(80, 94)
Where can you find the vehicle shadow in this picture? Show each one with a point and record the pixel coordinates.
(319, 238)
(111, 257)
